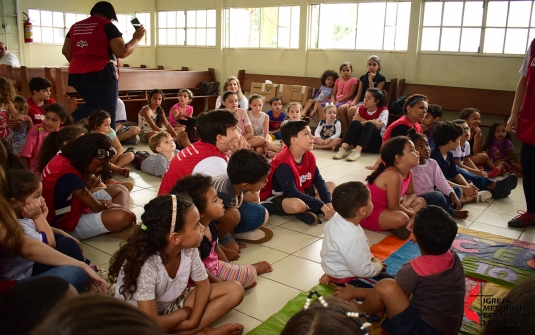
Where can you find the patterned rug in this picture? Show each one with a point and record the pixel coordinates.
(492, 266)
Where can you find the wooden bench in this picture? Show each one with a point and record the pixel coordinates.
(247, 78)
(134, 84)
(494, 102)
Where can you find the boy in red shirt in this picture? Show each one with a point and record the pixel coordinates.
(40, 88)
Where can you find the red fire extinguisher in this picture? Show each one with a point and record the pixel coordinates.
(28, 34)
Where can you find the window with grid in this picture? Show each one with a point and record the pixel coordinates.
(125, 26)
(265, 27)
(52, 27)
(363, 25)
(191, 27)
(499, 27)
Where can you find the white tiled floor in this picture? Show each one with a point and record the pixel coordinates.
(294, 249)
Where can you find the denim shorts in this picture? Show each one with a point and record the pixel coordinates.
(408, 322)
(252, 217)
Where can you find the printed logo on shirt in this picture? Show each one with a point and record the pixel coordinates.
(532, 62)
(81, 44)
(305, 177)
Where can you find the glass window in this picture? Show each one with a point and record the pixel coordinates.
(192, 27)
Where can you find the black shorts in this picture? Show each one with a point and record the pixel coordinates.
(408, 322)
(277, 201)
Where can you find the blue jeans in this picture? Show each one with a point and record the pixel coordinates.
(102, 96)
(66, 246)
(441, 200)
(73, 274)
(482, 183)
(252, 216)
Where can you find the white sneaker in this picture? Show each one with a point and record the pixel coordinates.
(353, 156)
(483, 196)
(342, 153)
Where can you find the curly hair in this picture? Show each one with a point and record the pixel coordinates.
(96, 119)
(145, 243)
(7, 90)
(160, 114)
(81, 151)
(196, 186)
(327, 74)
(55, 142)
(389, 151)
(59, 110)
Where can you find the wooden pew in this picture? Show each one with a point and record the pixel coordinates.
(142, 80)
(247, 78)
(495, 102)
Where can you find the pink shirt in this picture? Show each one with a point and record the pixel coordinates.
(34, 140)
(344, 87)
(189, 112)
(427, 176)
(243, 120)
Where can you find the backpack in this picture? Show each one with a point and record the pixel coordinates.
(397, 105)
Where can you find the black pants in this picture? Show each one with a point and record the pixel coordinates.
(66, 246)
(368, 282)
(102, 96)
(528, 166)
(367, 136)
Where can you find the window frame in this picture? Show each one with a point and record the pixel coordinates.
(483, 32)
(310, 27)
(227, 30)
(185, 28)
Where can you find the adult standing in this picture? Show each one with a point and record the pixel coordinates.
(522, 122)
(8, 58)
(93, 47)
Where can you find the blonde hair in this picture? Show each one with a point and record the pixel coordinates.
(240, 93)
(328, 106)
(155, 140)
(294, 104)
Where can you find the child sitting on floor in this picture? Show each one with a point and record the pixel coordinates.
(276, 116)
(20, 128)
(164, 146)
(499, 148)
(428, 176)
(345, 253)
(40, 90)
(260, 123)
(392, 189)
(153, 268)
(204, 195)
(447, 136)
(181, 115)
(462, 154)
(434, 113)
(295, 182)
(327, 134)
(435, 279)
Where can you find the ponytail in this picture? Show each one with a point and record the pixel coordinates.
(392, 148)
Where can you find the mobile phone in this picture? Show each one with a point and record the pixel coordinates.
(136, 23)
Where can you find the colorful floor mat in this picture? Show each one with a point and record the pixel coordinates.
(492, 266)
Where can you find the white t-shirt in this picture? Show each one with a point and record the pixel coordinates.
(345, 251)
(120, 111)
(258, 123)
(154, 282)
(462, 153)
(156, 165)
(10, 59)
(13, 267)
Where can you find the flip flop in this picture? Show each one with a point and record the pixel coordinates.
(268, 235)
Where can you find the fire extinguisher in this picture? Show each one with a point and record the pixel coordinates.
(28, 34)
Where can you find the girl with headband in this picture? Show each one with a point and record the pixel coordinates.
(156, 266)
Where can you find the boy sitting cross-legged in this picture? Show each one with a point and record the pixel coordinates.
(295, 180)
(163, 144)
(436, 280)
(345, 253)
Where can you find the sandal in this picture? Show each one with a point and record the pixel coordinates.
(125, 172)
(131, 149)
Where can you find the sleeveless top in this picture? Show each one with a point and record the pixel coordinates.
(379, 197)
(142, 121)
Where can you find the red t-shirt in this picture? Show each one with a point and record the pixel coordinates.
(36, 112)
(526, 120)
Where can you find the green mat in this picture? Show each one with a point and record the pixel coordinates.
(275, 323)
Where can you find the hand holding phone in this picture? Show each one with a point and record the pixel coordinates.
(136, 23)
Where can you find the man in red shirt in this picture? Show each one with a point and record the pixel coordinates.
(40, 88)
(522, 122)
